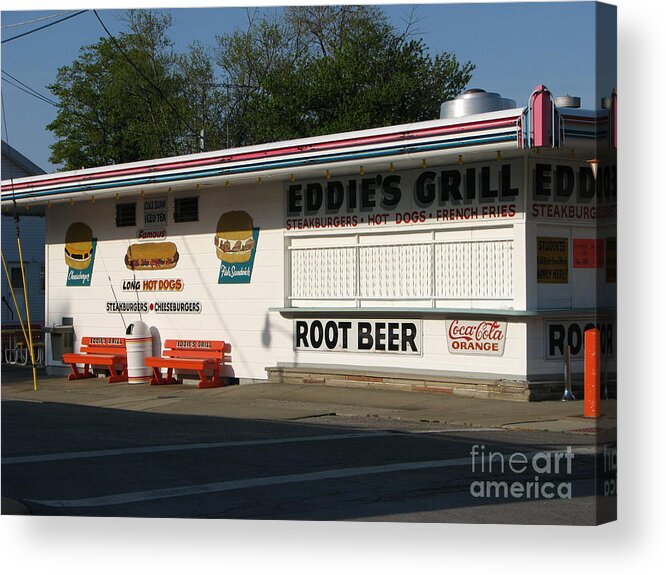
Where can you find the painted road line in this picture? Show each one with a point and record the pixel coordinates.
(207, 488)
(183, 447)
(233, 485)
(22, 459)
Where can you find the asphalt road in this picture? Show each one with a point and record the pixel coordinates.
(69, 459)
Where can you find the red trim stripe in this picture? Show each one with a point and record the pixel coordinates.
(358, 141)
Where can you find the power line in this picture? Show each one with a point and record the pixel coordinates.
(156, 88)
(11, 177)
(27, 89)
(35, 94)
(37, 19)
(42, 27)
(29, 92)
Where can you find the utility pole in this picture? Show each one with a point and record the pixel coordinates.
(202, 140)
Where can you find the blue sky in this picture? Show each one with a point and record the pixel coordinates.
(515, 47)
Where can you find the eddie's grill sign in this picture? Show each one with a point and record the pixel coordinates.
(476, 337)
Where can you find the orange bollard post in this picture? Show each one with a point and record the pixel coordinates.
(592, 392)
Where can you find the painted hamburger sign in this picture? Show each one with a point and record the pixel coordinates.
(79, 254)
(235, 242)
(481, 337)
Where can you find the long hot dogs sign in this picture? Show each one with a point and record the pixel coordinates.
(152, 286)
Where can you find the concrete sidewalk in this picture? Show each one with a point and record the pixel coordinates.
(293, 402)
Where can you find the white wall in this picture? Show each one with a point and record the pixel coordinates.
(237, 314)
(240, 314)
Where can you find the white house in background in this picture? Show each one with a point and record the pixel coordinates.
(32, 229)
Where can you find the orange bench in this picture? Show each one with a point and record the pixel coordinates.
(189, 355)
(107, 351)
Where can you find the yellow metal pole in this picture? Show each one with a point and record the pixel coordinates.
(27, 315)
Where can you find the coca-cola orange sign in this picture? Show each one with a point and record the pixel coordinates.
(481, 337)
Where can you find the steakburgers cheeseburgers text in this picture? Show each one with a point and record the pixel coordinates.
(233, 239)
(78, 246)
(152, 256)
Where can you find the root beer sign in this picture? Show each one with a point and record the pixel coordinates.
(479, 337)
(562, 334)
(368, 336)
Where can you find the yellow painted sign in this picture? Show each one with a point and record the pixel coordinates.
(552, 260)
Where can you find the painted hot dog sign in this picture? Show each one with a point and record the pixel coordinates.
(152, 256)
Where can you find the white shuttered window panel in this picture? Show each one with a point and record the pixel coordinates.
(436, 270)
(395, 271)
(328, 272)
(474, 270)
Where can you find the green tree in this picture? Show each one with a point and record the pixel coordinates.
(133, 98)
(313, 70)
(294, 72)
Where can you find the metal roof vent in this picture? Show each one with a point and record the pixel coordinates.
(475, 101)
(567, 102)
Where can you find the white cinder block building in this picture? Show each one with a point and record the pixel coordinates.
(463, 253)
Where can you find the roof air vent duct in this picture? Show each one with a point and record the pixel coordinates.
(567, 102)
(474, 101)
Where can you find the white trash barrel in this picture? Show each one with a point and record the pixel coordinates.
(139, 344)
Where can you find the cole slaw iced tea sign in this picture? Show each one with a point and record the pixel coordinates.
(155, 214)
(235, 242)
(480, 337)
